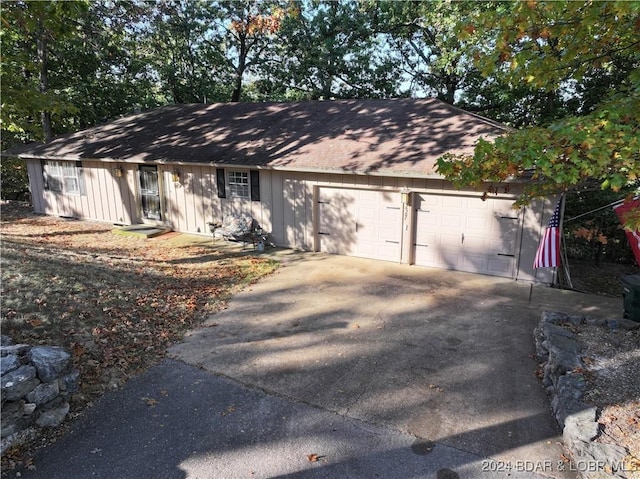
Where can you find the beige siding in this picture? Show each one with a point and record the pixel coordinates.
(36, 187)
(190, 202)
(104, 196)
(288, 206)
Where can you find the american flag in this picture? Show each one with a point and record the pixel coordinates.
(548, 254)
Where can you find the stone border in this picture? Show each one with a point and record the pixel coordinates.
(558, 352)
(36, 384)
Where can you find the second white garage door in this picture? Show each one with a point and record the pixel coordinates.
(363, 223)
(466, 234)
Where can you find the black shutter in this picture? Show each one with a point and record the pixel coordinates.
(222, 191)
(45, 179)
(255, 185)
(82, 187)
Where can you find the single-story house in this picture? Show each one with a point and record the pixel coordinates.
(351, 177)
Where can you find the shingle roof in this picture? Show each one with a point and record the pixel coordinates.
(398, 136)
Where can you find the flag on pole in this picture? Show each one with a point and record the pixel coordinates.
(628, 208)
(548, 254)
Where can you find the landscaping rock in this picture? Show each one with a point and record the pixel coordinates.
(70, 383)
(9, 363)
(53, 417)
(43, 393)
(558, 352)
(36, 383)
(16, 384)
(50, 362)
(14, 349)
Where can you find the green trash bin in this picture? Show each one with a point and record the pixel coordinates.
(631, 296)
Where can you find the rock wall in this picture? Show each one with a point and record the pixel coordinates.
(36, 382)
(559, 353)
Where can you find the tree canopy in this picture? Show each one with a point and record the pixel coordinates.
(564, 75)
(590, 53)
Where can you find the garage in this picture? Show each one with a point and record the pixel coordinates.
(465, 233)
(360, 222)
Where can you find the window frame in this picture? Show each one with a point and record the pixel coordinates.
(60, 175)
(238, 184)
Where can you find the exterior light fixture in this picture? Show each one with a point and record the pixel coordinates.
(175, 176)
(118, 171)
(405, 194)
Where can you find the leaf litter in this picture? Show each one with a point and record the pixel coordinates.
(115, 302)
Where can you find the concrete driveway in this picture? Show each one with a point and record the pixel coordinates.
(442, 356)
(338, 367)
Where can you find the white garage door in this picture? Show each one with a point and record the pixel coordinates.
(466, 234)
(364, 223)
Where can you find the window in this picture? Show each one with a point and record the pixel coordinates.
(239, 184)
(62, 176)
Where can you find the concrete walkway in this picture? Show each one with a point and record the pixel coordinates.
(378, 369)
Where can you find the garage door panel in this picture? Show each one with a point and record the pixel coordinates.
(453, 202)
(336, 223)
(370, 229)
(475, 244)
(466, 233)
(449, 221)
(473, 263)
(500, 266)
(472, 223)
(366, 214)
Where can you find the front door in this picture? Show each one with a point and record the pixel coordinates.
(150, 193)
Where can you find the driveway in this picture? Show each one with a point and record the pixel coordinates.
(338, 367)
(443, 356)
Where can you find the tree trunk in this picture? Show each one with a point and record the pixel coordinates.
(242, 65)
(45, 116)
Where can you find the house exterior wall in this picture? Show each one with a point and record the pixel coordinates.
(288, 205)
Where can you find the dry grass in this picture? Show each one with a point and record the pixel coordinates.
(116, 302)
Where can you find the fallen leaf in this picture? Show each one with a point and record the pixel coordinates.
(96, 450)
(150, 401)
(313, 457)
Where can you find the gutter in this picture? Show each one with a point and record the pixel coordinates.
(386, 172)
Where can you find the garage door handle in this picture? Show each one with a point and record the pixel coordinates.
(505, 254)
(321, 233)
(394, 242)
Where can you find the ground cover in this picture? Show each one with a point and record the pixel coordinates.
(114, 301)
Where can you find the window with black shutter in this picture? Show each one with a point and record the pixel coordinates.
(220, 180)
(255, 185)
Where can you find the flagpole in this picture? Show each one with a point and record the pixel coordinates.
(563, 251)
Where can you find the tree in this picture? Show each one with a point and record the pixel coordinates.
(422, 35)
(31, 35)
(327, 50)
(102, 69)
(558, 46)
(183, 52)
(250, 29)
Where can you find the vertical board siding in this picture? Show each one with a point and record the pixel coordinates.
(287, 207)
(36, 186)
